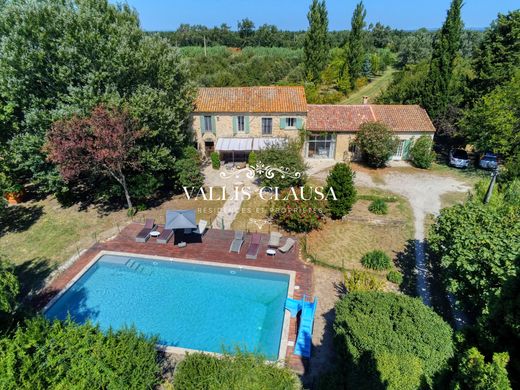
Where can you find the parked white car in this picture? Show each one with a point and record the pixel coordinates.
(459, 158)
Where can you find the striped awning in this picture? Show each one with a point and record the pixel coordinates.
(247, 144)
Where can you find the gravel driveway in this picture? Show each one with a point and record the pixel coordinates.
(423, 191)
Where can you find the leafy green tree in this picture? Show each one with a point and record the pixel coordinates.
(49, 70)
(246, 31)
(421, 152)
(415, 48)
(406, 86)
(475, 374)
(9, 288)
(281, 157)
(383, 336)
(498, 56)
(341, 180)
(355, 47)
(446, 46)
(336, 72)
(316, 45)
(189, 169)
(65, 355)
(493, 124)
(476, 261)
(377, 142)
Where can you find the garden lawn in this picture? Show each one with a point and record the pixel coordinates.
(45, 230)
(254, 208)
(342, 243)
(372, 89)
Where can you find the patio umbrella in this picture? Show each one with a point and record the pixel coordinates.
(180, 219)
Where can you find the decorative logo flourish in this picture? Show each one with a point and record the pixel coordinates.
(269, 172)
(261, 169)
(260, 223)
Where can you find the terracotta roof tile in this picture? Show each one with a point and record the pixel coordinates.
(403, 117)
(337, 117)
(251, 99)
(348, 118)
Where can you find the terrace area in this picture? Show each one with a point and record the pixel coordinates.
(213, 247)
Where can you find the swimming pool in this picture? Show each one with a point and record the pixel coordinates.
(187, 304)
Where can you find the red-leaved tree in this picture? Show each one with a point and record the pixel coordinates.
(104, 142)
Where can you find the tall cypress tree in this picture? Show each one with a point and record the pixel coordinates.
(355, 48)
(316, 46)
(446, 45)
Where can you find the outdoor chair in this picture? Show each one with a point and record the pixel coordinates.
(237, 242)
(165, 236)
(202, 227)
(144, 234)
(287, 246)
(254, 247)
(274, 239)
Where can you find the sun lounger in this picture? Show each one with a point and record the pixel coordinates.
(237, 242)
(165, 236)
(287, 246)
(202, 227)
(144, 234)
(254, 247)
(274, 239)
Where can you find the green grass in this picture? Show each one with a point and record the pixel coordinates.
(372, 89)
(44, 230)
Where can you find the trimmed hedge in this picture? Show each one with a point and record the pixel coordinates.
(66, 355)
(376, 260)
(242, 371)
(390, 341)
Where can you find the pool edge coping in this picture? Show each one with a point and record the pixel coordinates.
(282, 352)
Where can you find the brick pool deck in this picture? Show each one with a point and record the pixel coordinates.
(214, 247)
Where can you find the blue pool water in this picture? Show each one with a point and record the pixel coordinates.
(186, 305)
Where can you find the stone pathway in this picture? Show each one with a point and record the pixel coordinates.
(228, 179)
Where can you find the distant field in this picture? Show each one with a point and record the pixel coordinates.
(372, 90)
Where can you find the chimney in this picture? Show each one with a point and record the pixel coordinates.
(365, 99)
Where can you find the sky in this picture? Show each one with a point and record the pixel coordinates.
(165, 15)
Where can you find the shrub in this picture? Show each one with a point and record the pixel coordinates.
(9, 287)
(295, 214)
(281, 166)
(66, 355)
(242, 371)
(421, 153)
(361, 281)
(215, 160)
(383, 336)
(341, 181)
(395, 277)
(378, 206)
(474, 260)
(251, 159)
(189, 169)
(474, 373)
(377, 142)
(376, 260)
